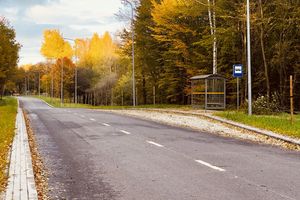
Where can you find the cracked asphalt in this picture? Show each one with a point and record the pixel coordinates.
(93, 154)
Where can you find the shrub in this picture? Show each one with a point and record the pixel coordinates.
(261, 106)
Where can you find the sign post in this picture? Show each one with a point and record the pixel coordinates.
(238, 73)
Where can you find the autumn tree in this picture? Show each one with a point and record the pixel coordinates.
(55, 47)
(9, 49)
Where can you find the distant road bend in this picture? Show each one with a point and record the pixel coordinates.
(93, 154)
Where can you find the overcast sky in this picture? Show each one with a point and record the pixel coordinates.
(74, 18)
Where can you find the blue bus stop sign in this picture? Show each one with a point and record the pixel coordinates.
(238, 71)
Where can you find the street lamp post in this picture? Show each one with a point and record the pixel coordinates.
(62, 83)
(249, 60)
(132, 37)
(76, 73)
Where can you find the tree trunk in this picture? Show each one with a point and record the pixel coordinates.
(2, 92)
(263, 50)
(212, 23)
(144, 90)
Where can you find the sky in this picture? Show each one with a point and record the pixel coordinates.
(74, 19)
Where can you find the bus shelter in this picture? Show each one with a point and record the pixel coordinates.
(208, 91)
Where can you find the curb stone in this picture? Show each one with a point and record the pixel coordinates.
(256, 130)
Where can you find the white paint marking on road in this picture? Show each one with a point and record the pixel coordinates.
(104, 124)
(154, 143)
(210, 166)
(92, 119)
(126, 132)
(82, 116)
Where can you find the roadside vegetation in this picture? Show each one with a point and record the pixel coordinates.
(280, 123)
(56, 103)
(8, 111)
(174, 41)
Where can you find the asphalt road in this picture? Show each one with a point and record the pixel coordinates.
(97, 155)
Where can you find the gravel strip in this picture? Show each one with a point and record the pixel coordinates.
(40, 172)
(204, 125)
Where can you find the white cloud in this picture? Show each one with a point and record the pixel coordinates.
(10, 13)
(74, 18)
(66, 12)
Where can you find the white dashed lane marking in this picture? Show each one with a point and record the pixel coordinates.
(210, 165)
(154, 143)
(104, 124)
(92, 119)
(126, 132)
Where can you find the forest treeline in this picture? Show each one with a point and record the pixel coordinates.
(175, 40)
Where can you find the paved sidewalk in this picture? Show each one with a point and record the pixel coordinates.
(21, 183)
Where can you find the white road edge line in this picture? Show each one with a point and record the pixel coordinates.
(126, 132)
(154, 143)
(210, 166)
(104, 124)
(92, 119)
(48, 104)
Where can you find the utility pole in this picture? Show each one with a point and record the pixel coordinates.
(132, 37)
(76, 71)
(39, 83)
(249, 60)
(28, 88)
(62, 83)
(25, 87)
(52, 84)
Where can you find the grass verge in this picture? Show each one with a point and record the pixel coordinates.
(56, 103)
(8, 111)
(277, 123)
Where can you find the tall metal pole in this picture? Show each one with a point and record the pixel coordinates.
(62, 83)
(52, 84)
(237, 93)
(132, 38)
(249, 61)
(75, 92)
(39, 83)
(133, 76)
(76, 74)
(28, 88)
(25, 85)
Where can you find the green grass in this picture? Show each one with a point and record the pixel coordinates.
(8, 111)
(56, 103)
(277, 123)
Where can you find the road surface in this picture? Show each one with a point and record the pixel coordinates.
(93, 154)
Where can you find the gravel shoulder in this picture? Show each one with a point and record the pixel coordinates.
(203, 124)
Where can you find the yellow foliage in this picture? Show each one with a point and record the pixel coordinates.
(54, 46)
(97, 52)
(26, 67)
